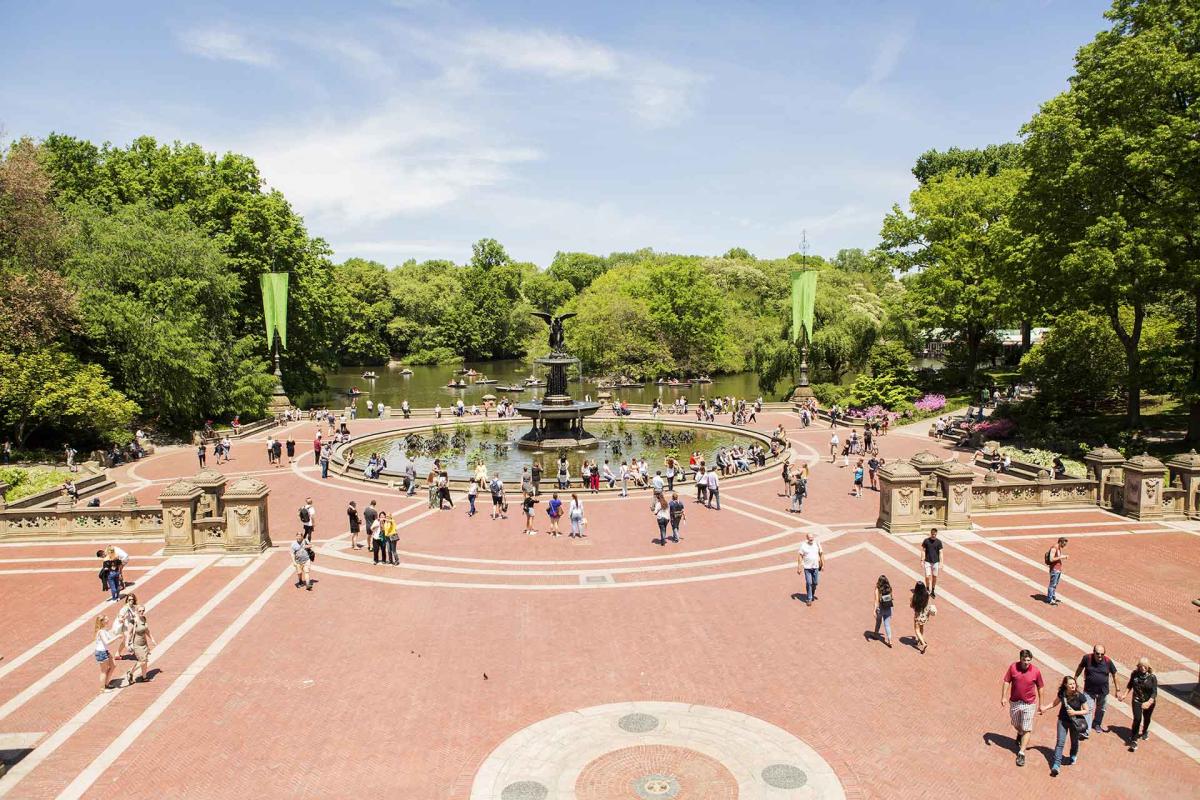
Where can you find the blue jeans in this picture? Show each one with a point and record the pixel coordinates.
(714, 495)
(1096, 704)
(884, 617)
(1052, 589)
(1065, 729)
(810, 583)
(324, 468)
(471, 500)
(114, 585)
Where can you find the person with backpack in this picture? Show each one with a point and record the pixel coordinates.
(498, 505)
(1099, 672)
(308, 516)
(1054, 558)
(799, 492)
(677, 512)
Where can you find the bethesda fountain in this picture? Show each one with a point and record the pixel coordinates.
(557, 418)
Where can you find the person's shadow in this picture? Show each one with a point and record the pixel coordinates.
(1000, 740)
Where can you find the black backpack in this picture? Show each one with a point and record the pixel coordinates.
(1048, 560)
(304, 515)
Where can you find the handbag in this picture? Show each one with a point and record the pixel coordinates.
(312, 556)
(1080, 724)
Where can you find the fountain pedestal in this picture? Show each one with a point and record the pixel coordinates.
(557, 418)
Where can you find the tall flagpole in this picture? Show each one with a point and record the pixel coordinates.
(803, 333)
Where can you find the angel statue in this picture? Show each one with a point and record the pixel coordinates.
(556, 328)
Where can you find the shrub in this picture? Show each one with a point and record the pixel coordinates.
(24, 482)
(931, 403)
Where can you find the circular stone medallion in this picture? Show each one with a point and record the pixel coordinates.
(784, 776)
(656, 772)
(637, 723)
(524, 790)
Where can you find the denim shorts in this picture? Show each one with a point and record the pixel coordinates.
(101, 656)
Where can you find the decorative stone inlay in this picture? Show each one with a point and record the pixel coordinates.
(694, 751)
(653, 787)
(784, 776)
(638, 723)
(524, 790)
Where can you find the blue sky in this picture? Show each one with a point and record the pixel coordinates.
(412, 128)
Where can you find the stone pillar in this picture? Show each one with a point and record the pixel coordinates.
(899, 498)
(212, 484)
(927, 463)
(246, 526)
(955, 480)
(1186, 467)
(991, 485)
(179, 501)
(129, 522)
(1101, 462)
(1044, 482)
(1143, 487)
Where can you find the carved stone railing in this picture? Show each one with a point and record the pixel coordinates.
(64, 521)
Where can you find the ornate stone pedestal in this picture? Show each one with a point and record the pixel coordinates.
(899, 498)
(1144, 486)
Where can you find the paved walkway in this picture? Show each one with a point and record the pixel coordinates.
(490, 664)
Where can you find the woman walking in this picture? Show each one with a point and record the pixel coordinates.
(1072, 720)
(527, 506)
(104, 637)
(141, 642)
(662, 516)
(575, 514)
(922, 609)
(1143, 684)
(883, 609)
(554, 511)
(291, 448)
(787, 479)
(858, 479)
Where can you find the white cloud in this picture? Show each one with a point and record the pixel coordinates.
(551, 54)
(225, 44)
(406, 158)
(660, 94)
(869, 95)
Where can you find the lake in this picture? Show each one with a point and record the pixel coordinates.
(426, 386)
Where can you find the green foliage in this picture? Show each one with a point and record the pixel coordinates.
(49, 390)
(434, 355)
(1045, 458)
(1079, 363)
(578, 269)
(1112, 202)
(891, 358)
(868, 390)
(956, 161)
(830, 394)
(25, 482)
(955, 239)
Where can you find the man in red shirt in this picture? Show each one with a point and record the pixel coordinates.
(317, 448)
(1021, 691)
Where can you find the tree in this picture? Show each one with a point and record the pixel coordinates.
(1112, 204)
(958, 161)
(1078, 364)
(50, 388)
(578, 269)
(369, 308)
(156, 296)
(738, 254)
(488, 254)
(957, 238)
(544, 292)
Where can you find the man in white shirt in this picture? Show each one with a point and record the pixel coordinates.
(833, 447)
(714, 490)
(809, 562)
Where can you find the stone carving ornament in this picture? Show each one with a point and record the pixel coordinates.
(178, 515)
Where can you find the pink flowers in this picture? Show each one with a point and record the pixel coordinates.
(997, 428)
(930, 403)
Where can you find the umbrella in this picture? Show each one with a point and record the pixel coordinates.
(489, 397)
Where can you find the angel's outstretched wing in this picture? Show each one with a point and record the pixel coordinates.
(561, 317)
(542, 315)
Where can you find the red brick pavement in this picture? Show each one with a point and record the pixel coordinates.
(376, 688)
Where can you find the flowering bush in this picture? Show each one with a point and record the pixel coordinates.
(930, 403)
(873, 412)
(995, 428)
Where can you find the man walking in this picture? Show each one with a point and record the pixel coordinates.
(1099, 672)
(308, 518)
(1054, 559)
(1021, 691)
(714, 490)
(931, 560)
(302, 562)
(809, 562)
(676, 510)
(833, 445)
(202, 453)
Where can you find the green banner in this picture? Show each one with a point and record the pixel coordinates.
(274, 296)
(804, 300)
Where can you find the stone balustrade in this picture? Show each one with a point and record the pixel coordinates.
(928, 491)
(65, 521)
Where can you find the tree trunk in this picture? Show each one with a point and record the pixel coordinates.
(1131, 340)
(1193, 430)
(1026, 335)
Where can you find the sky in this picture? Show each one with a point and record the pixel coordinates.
(411, 128)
